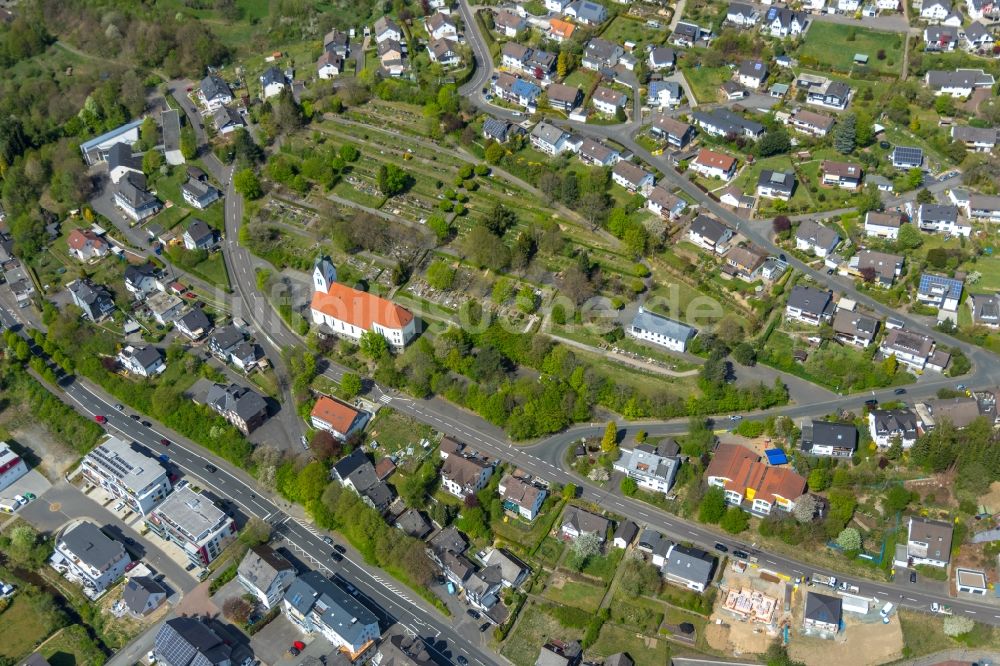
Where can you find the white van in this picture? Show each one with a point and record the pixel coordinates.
(886, 610)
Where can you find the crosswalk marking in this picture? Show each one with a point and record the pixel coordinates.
(385, 399)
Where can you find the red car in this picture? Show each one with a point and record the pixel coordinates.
(165, 442)
(100, 418)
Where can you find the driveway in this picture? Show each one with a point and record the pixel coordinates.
(63, 503)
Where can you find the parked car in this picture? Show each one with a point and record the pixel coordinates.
(30, 496)
(337, 557)
(340, 549)
(165, 442)
(120, 407)
(327, 540)
(913, 576)
(473, 614)
(900, 391)
(722, 548)
(134, 417)
(100, 419)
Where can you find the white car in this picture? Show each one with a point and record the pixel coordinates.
(151, 657)
(21, 499)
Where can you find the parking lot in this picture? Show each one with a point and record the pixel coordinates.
(32, 482)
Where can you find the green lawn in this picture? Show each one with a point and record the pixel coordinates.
(639, 613)
(705, 81)
(532, 630)
(924, 634)
(584, 596)
(549, 551)
(394, 431)
(835, 44)
(19, 630)
(604, 567)
(526, 534)
(581, 78)
(626, 28)
(643, 650)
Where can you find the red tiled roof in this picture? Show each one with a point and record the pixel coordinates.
(711, 158)
(360, 308)
(337, 414)
(77, 238)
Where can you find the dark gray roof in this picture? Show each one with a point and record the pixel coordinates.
(810, 299)
(132, 188)
(662, 55)
(728, 122)
(120, 155)
(755, 68)
(987, 135)
(893, 420)
(960, 78)
(236, 399)
(226, 337)
(188, 641)
(496, 128)
(823, 608)
(135, 274)
(212, 87)
(225, 116)
(195, 319)
(199, 230)
(654, 542)
(601, 49)
(690, 564)
(261, 565)
(827, 433)
(585, 521)
(138, 590)
(146, 355)
(197, 188)
(708, 227)
(92, 546)
(413, 523)
(35, 659)
(343, 613)
(783, 181)
(939, 213)
(627, 531)
(170, 122)
(816, 234)
(272, 75)
(449, 540)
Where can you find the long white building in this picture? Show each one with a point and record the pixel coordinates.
(137, 479)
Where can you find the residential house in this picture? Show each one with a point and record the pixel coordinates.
(829, 94)
(940, 291)
(826, 438)
(497, 130)
(960, 412)
(329, 65)
(907, 157)
(783, 22)
(608, 100)
(752, 74)
(347, 312)
(122, 161)
(941, 218)
(733, 91)
(272, 82)
(845, 175)
(412, 523)
(655, 545)
(244, 408)
(982, 9)
(440, 26)
(463, 476)
(957, 83)
(601, 54)
(227, 120)
(559, 30)
(577, 521)
(886, 426)
(928, 542)
(224, 341)
(977, 139)
(199, 194)
(886, 267)
(632, 178)
(676, 133)
(515, 56)
(940, 38)
(776, 184)
(94, 299)
(144, 361)
(741, 15)
(337, 42)
(558, 653)
(823, 612)
(811, 236)
(198, 235)
(985, 309)
(808, 122)
(85, 245)
(661, 58)
(265, 574)
(164, 307)
(85, 555)
(887, 5)
(356, 472)
(193, 522)
(443, 52)
(710, 234)
(125, 473)
(660, 330)
(12, 466)
(133, 199)
(625, 534)
(508, 23)
(649, 469)
(723, 122)
(854, 328)
(140, 279)
(386, 29)
(714, 165)
(882, 225)
(96, 150)
(521, 497)
(809, 305)
(978, 38)
(586, 12)
(664, 203)
(190, 641)
(595, 153)
(549, 139)
(689, 567)
(317, 605)
(911, 349)
(194, 323)
(515, 90)
(744, 263)
(743, 478)
(337, 417)
(512, 571)
(881, 183)
(688, 34)
(848, 6)
(562, 97)
(214, 92)
(392, 57)
(935, 10)
(664, 94)
(984, 207)
(142, 595)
